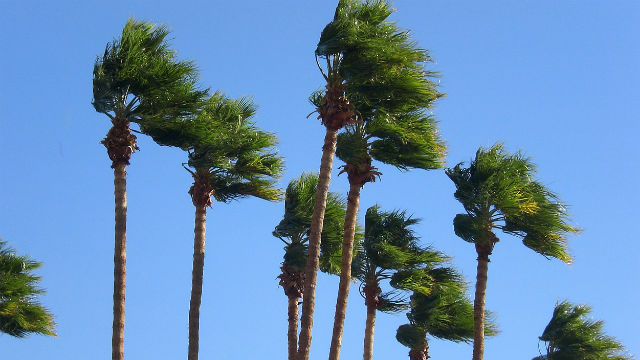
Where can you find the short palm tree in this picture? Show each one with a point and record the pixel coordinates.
(229, 158)
(139, 80)
(498, 191)
(389, 246)
(293, 230)
(570, 335)
(20, 312)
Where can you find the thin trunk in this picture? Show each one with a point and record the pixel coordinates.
(478, 304)
(196, 281)
(353, 201)
(368, 332)
(119, 259)
(292, 333)
(311, 268)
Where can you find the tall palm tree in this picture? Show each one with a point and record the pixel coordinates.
(229, 158)
(293, 230)
(571, 335)
(20, 312)
(138, 79)
(389, 246)
(498, 191)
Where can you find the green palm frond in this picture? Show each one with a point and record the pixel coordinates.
(571, 335)
(295, 225)
(498, 191)
(223, 140)
(20, 312)
(138, 78)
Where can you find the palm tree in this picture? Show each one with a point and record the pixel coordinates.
(137, 79)
(20, 312)
(228, 158)
(498, 191)
(293, 230)
(570, 335)
(389, 246)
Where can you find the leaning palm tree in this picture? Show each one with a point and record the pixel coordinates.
(498, 191)
(371, 67)
(571, 335)
(138, 79)
(20, 312)
(389, 246)
(229, 158)
(293, 230)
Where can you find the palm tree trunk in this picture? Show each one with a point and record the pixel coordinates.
(368, 332)
(119, 259)
(421, 353)
(292, 333)
(311, 268)
(196, 281)
(353, 201)
(478, 303)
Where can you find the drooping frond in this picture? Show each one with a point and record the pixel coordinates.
(222, 139)
(498, 190)
(20, 312)
(138, 78)
(296, 223)
(571, 335)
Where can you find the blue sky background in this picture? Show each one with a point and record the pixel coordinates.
(558, 79)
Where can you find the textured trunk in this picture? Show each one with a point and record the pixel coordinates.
(353, 201)
(292, 333)
(478, 303)
(196, 281)
(368, 332)
(421, 353)
(119, 259)
(311, 268)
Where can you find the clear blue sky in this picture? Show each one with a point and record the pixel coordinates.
(558, 79)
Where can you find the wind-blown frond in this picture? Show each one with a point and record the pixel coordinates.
(498, 191)
(20, 312)
(571, 335)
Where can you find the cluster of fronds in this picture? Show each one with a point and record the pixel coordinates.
(498, 191)
(571, 335)
(20, 312)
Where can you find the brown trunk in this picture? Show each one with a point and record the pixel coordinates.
(368, 332)
(311, 268)
(420, 354)
(196, 281)
(120, 144)
(292, 333)
(119, 259)
(350, 219)
(478, 304)
(200, 192)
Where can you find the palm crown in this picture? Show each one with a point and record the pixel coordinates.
(139, 79)
(225, 149)
(20, 312)
(295, 225)
(498, 191)
(570, 335)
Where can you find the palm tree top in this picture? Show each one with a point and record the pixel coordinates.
(20, 312)
(295, 225)
(498, 191)
(378, 65)
(571, 335)
(139, 79)
(224, 144)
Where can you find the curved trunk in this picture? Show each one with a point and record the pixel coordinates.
(119, 259)
(368, 332)
(311, 268)
(292, 333)
(196, 281)
(478, 303)
(353, 201)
